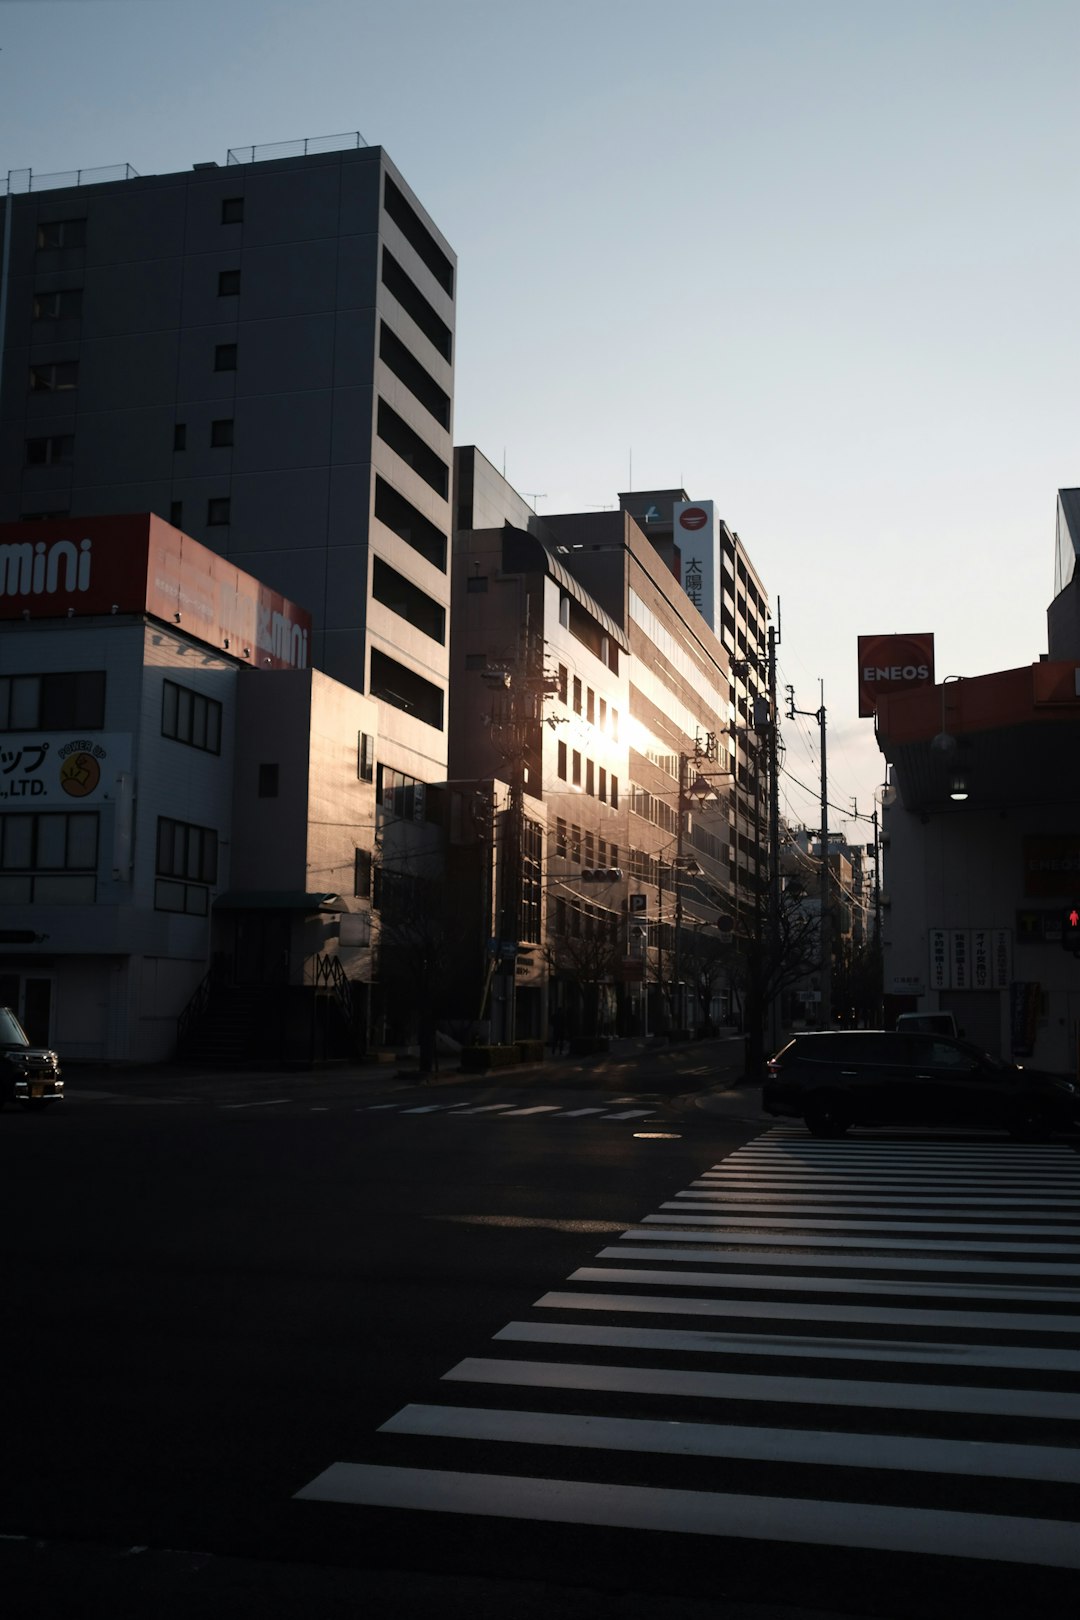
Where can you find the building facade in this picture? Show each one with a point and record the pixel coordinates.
(183, 799)
(262, 354)
(981, 852)
(649, 781)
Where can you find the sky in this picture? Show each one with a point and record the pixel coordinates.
(815, 260)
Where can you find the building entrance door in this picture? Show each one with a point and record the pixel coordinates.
(29, 995)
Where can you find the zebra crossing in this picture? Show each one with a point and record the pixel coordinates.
(867, 1344)
(513, 1110)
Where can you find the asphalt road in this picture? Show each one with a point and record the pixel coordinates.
(218, 1294)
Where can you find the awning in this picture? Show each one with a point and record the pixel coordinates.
(277, 900)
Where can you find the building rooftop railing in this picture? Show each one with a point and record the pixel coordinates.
(21, 180)
(301, 148)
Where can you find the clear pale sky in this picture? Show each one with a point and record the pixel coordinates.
(813, 259)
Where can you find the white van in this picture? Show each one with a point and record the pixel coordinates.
(936, 1023)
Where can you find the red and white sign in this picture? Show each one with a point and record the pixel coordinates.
(889, 665)
(136, 563)
(693, 517)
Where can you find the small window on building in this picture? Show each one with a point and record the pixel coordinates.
(62, 233)
(577, 695)
(603, 713)
(365, 757)
(187, 861)
(190, 717)
(179, 436)
(228, 283)
(603, 790)
(232, 211)
(362, 874)
(563, 683)
(218, 511)
(476, 582)
(590, 778)
(54, 376)
(560, 837)
(590, 849)
(221, 433)
(65, 303)
(590, 704)
(176, 514)
(562, 762)
(225, 357)
(614, 792)
(575, 843)
(268, 780)
(564, 612)
(56, 450)
(577, 769)
(614, 725)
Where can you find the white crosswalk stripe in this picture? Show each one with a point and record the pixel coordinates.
(746, 1328)
(509, 1110)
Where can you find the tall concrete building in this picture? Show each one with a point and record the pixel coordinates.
(262, 354)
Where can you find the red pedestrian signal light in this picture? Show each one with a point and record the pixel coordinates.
(1070, 928)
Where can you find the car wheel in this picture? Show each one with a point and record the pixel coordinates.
(828, 1116)
(1028, 1123)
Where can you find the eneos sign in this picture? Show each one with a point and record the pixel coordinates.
(889, 665)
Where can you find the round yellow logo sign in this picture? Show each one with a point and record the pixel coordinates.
(80, 775)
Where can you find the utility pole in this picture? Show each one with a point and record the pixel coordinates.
(826, 870)
(774, 835)
(676, 996)
(873, 818)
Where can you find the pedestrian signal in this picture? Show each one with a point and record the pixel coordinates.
(1070, 928)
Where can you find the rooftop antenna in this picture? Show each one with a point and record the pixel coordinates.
(631, 475)
(538, 495)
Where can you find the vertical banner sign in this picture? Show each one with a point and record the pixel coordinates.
(960, 951)
(1024, 1007)
(1002, 958)
(938, 969)
(982, 959)
(694, 529)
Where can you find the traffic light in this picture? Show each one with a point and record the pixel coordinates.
(1070, 927)
(601, 874)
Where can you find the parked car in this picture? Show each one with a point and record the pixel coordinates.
(29, 1075)
(839, 1078)
(927, 1023)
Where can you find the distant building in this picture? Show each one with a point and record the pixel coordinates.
(630, 738)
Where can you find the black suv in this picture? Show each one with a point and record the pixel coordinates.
(839, 1078)
(29, 1075)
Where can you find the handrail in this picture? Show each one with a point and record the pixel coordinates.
(195, 1009)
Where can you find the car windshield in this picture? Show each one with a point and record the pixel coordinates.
(11, 1031)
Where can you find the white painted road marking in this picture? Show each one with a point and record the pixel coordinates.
(763, 1518)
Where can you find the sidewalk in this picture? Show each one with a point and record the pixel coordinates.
(723, 1055)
